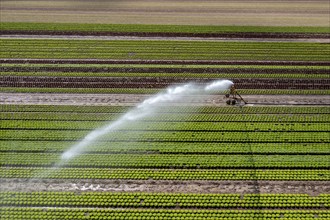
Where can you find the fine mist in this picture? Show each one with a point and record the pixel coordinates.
(146, 108)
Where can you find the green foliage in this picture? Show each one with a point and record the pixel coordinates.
(104, 68)
(142, 28)
(163, 200)
(278, 110)
(162, 50)
(169, 147)
(9, 213)
(165, 174)
(168, 126)
(171, 117)
(178, 143)
(168, 161)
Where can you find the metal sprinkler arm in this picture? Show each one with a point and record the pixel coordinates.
(241, 97)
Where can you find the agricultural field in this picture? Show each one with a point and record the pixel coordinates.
(184, 12)
(130, 121)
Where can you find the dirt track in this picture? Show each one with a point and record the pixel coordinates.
(133, 99)
(240, 187)
(237, 37)
(172, 62)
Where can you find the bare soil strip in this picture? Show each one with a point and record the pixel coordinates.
(174, 62)
(313, 188)
(134, 99)
(242, 37)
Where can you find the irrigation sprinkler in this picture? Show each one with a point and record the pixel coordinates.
(234, 98)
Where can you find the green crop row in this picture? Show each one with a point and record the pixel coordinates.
(170, 136)
(151, 28)
(169, 45)
(165, 174)
(97, 109)
(173, 50)
(171, 147)
(173, 109)
(167, 161)
(203, 67)
(283, 92)
(167, 126)
(153, 91)
(103, 90)
(168, 117)
(162, 200)
(9, 213)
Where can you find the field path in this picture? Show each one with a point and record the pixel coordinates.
(170, 62)
(312, 188)
(149, 38)
(133, 99)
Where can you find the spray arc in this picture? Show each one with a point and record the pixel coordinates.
(146, 108)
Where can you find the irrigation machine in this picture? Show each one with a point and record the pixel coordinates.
(234, 98)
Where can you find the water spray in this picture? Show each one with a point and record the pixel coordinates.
(146, 108)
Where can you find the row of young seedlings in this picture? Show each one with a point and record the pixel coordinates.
(170, 136)
(169, 126)
(163, 200)
(318, 69)
(9, 213)
(165, 174)
(168, 161)
(159, 50)
(168, 117)
(168, 147)
(172, 109)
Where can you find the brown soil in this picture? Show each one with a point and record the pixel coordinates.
(312, 188)
(156, 38)
(134, 99)
(174, 62)
(159, 34)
